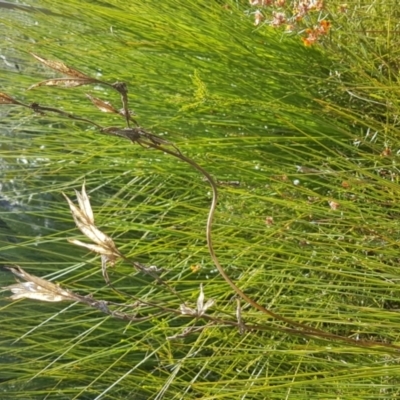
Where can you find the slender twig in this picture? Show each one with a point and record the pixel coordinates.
(40, 109)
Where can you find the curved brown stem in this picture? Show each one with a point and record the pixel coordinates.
(211, 250)
(305, 329)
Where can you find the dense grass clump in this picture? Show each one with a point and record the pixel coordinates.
(302, 138)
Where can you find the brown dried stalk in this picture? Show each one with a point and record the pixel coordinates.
(41, 289)
(149, 140)
(36, 288)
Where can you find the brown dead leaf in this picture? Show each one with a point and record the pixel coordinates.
(6, 99)
(61, 67)
(64, 82)
(104, 106)
(116, 130)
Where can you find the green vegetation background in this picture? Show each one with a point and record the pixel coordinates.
(310, 134)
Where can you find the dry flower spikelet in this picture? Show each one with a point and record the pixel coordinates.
(37, 288)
